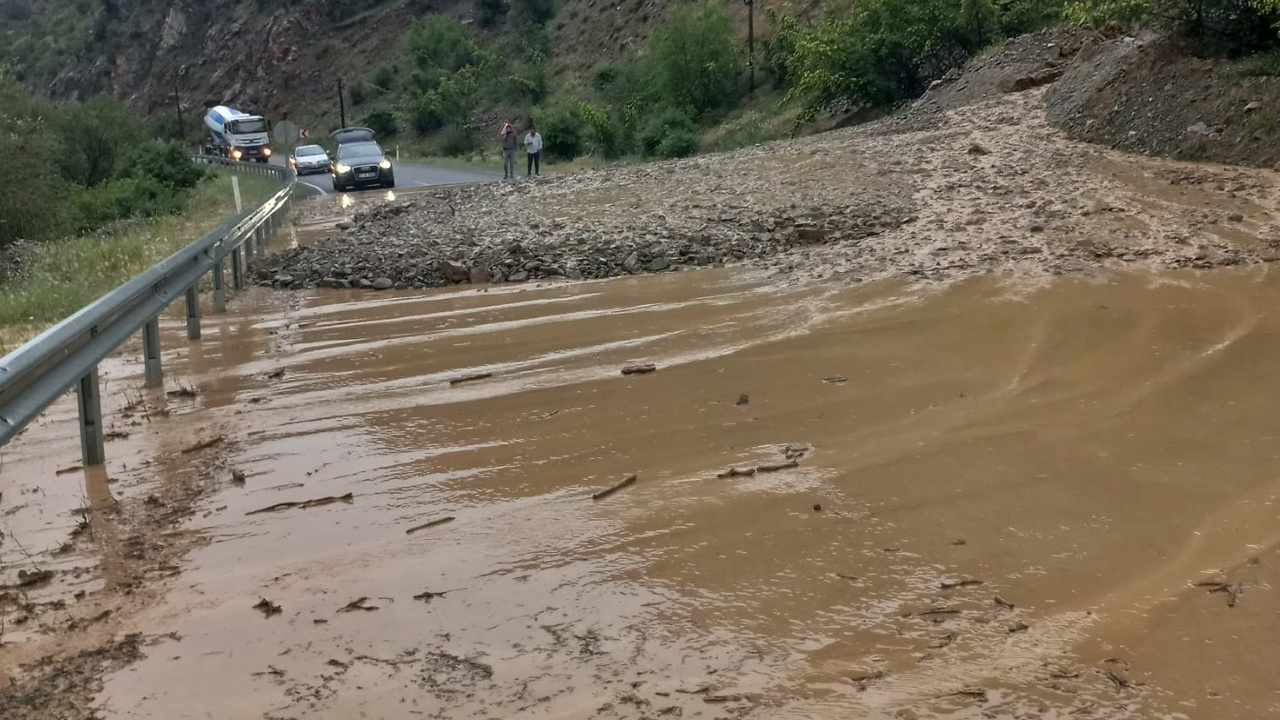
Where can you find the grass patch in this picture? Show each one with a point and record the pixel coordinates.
(1265, 64)
(63, 276)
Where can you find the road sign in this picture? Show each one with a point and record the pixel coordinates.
(305, 134)
(286, 134)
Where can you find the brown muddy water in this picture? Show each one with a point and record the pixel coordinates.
(1009, 493)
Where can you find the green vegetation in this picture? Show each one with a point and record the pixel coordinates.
(1263, 64)
(877, 53)
(57, 277)
(83, 166)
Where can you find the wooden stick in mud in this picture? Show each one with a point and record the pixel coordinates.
(470, 378)
(630, 480)
(304, 504)
(203, 446)
(433, 523)
(775, 467)
(644, 369)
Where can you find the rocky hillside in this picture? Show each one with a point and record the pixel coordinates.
(282, 57)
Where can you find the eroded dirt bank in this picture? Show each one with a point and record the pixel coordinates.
(1005, 497)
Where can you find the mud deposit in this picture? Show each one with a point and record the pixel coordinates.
(991, 499)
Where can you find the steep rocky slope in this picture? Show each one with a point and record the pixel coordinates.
(282, 57)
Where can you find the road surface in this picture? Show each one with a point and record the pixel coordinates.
(408, 175)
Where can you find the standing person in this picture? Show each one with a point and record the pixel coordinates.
(533, 147)
(508, 137)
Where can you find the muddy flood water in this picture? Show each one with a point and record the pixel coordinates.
(1008, 500)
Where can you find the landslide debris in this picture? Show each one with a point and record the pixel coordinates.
(909, 196)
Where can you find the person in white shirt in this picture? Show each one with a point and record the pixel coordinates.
(533, 147)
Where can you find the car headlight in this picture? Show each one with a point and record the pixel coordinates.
(385, 164)
(342, 169)
(266, 151)
(235, 154)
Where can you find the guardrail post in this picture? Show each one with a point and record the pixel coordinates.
(193, 313)
(219, 292)
(237, 269)
(89, 400)
(151, 352)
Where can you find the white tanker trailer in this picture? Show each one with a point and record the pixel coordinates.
(238, 135)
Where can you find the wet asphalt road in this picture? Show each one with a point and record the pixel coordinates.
(408, 175)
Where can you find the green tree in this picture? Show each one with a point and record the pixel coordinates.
(95, 137)
(694, 61)
(33, 208)
(979, 21)
(438, 47)
(532, 12)
(489, 12)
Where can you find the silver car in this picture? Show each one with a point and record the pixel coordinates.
(308, 159)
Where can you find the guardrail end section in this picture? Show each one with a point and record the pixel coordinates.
(89, 399)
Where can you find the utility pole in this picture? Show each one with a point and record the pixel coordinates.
(177, 104)
(751, 41)
(342, 105)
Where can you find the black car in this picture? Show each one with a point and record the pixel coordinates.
(359, 161)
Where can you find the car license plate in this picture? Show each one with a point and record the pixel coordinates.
(365, 175)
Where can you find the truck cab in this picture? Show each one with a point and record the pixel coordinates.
(238, 135)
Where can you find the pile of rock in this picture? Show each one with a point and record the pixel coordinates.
(505, 233)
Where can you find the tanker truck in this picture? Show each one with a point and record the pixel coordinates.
(237, 135)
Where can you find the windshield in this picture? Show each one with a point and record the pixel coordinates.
(358, 149)
(256, 125)
(308, 150)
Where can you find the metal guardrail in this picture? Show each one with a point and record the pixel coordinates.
(67, 354)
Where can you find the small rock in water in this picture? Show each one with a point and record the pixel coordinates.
(383, 284)
(834, 379)
(743, 399)
(454, 272)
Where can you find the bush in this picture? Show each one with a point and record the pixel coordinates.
(456, 141)
(450, 104)
(123, 199)
(562, 127)
(382, 122)
(1265, 64)
(358, 92)
(168, 163)
(32, 208)
(1232, 27)
(96, 136)
(383, 77)
(489, 12)
(670, 134)
(532, 12)
(1107, 14)
(694, 60)
(881, 52)
(438, 47)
